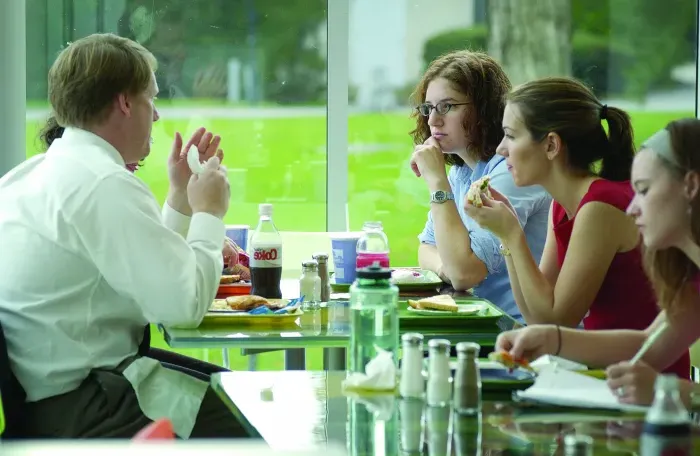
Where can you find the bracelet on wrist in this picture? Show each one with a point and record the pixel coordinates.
(504, 251)
(558, 341)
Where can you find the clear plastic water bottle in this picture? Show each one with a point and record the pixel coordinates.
(667, 427)
(374, 318)
(266, 257)
(373, 246)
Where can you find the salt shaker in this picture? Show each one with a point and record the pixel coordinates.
(439, 393)
(412, 382)
(467, 381)
(310, 284)
(322, 259)
(411, 419)
(438, 430)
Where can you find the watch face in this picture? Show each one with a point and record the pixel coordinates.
(439, 195)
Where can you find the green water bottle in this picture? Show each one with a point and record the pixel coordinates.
(373, 426)
(374, 318)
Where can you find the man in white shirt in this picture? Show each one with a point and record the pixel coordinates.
(88, 259)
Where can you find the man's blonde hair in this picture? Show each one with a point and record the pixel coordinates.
(91, 72)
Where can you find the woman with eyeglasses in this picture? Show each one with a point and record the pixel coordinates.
(460, 102)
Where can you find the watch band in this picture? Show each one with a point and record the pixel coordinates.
(441, 196)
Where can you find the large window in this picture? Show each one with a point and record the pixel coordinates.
(253, 71)
(638, 55)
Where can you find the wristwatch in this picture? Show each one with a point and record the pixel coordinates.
(441, 196)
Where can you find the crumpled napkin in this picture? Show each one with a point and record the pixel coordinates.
(380, 374)
(562, 363)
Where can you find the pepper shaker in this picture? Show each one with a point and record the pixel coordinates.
(466, 434)
(322, 259)
(467, 381)
(412, 383)
(578, 445)
(439, 393)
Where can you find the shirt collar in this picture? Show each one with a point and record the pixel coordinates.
(80, 136)
(483, 168)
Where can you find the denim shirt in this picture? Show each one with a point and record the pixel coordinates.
(530, 203)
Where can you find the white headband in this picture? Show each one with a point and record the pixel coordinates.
(660, 143)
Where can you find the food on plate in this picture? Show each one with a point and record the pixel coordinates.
(509, 361)
(407, 276)
(246, 302)
(219, 304)
(439, 302)
(229, 278)
(275, 304)
(476, 189)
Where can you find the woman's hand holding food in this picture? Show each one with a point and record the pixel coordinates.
(494, 213)
(529, 343)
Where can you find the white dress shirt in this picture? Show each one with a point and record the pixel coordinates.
(86, 261)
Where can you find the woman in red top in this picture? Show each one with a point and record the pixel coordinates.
(591, 269)
(666, 208)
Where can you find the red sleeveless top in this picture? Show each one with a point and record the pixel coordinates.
(626, 299)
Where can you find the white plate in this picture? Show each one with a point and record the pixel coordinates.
(464, 309)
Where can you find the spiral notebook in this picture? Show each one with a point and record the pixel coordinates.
(558, 386)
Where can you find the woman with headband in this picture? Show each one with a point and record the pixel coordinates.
(666, 208)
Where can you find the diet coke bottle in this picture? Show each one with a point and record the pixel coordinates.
(266, 257)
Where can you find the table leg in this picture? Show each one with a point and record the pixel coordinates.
(295, 359)
(334, 359)
(252, 362)
(224, 356)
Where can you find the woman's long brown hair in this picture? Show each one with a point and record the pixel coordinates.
(484, 82)
(671, 272)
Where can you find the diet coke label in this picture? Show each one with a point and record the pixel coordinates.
(266, 256)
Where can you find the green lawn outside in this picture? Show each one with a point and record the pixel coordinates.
(283, 161)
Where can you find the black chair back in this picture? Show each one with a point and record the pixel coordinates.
(146, 342)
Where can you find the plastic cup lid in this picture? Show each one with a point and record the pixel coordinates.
(342, 235)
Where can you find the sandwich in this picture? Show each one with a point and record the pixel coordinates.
(246, 302)
(219, 304)
(229, 278)
(509, 361)
(476, 189)
(440, 302)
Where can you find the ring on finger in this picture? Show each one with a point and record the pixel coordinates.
(621, 391)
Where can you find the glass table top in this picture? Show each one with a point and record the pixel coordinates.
(307, 410)
(326, 327)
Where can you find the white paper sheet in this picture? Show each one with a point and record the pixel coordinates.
(562, 387)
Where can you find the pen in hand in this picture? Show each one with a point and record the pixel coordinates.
(649, 342)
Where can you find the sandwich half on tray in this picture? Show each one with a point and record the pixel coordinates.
(445, 303)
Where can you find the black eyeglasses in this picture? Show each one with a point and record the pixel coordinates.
(441, 108)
